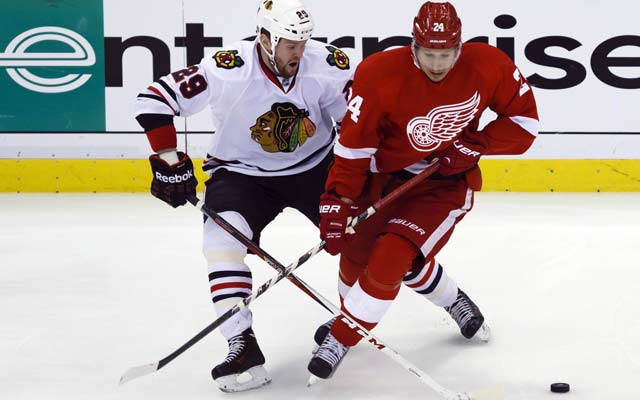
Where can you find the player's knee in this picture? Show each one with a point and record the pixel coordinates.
(421, 269)
(390, 259)
(350, 270)
(219, 246)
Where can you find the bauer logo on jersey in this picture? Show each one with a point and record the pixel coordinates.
(441, 124)
(228, 59)
(337, 58)
(283, 128)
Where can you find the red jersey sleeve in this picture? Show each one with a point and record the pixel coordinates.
(359, 137)
(516, 126)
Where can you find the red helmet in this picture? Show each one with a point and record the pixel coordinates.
(437, 26)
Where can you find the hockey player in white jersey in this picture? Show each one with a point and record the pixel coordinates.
(273, 102)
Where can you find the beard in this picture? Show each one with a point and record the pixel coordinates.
(289, 69)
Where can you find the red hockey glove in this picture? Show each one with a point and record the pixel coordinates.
(463, 154)
(335, 215)
(173, 183)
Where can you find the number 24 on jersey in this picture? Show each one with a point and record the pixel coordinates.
(354, 107)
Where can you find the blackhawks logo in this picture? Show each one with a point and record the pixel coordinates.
(228, 59)
(283, 128)
(337, 58)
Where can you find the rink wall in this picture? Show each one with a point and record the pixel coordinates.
(70, 71)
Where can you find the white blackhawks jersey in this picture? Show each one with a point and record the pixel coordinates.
(261, 127)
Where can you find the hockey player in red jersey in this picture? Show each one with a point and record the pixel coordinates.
(274, 102)
(409, 106)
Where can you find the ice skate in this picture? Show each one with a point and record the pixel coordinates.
(322, 332)
(326, 360)
(469, 318)
(244, 356)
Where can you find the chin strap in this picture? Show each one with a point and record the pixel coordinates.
(413, 55)
(272, 62)
(272, 54)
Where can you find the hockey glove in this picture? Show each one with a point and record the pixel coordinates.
(463, 154)
(173, 183)
(335, 215)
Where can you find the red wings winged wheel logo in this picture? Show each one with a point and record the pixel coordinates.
(441, 124)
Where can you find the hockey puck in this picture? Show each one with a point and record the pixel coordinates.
(560, 387)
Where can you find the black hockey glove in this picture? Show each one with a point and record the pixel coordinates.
(173, 183)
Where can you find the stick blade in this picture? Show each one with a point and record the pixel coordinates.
(495, 392)
(137, 372)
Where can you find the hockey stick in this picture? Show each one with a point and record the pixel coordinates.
(146, 369)
(492, 393)
(257, 250)
(489, 393)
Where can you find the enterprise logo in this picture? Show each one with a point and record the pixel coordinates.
(17, 59)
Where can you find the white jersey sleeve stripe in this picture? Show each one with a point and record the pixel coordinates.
(167, 102)
(528, 124)
(418, 167)
(149, 102)
(352, 154)
(167, 92)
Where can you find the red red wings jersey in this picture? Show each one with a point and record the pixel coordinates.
(397, 117)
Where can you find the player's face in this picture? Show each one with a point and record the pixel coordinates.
(436, 63)
(288, 56)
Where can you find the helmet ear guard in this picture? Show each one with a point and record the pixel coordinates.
(437, 26)
(283, 19)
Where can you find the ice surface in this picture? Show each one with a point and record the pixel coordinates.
(91, 285)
